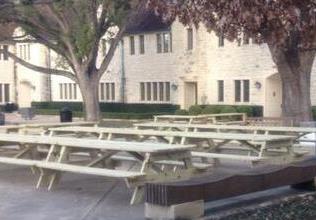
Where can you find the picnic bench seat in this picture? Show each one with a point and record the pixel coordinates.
(222, 118)
(58, 159)
(260, 144)
(296, 131)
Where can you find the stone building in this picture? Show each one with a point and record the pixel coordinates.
(162, 63)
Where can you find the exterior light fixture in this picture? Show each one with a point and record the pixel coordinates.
(174, 86)
(258, 85)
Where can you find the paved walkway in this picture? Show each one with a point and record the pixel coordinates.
(77, 197)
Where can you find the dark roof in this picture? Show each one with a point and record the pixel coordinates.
(147, 21)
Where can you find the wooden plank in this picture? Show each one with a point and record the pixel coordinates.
(95, 144)
(157, 133)
(228, 127)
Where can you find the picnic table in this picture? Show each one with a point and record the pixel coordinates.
(59, 158)
(224, 118)
(40, 127)
(267, 130)
(272, 148)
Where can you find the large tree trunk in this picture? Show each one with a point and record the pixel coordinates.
(295, 68)
(90, 95)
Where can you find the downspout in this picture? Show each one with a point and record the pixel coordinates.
(49, 79)
(15, 78)
(123, 78)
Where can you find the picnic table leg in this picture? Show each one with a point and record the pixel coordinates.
(138, 193)
(55, 177)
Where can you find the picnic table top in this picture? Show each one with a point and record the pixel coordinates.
(196, 116)
(51, 124)
(230, 127)
(95, 144)
(201, 135)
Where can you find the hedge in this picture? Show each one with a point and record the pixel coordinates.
(110, 115)
(252, 111)
(110, 107)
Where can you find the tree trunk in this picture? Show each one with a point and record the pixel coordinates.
(90, 95)
(295, 68)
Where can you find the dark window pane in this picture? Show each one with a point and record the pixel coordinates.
(132, 45)
(148, 89)
(1, 96)
(159, 43)
(155, 91)
(113, 91)
(142, 91)
(161, 91)
(7, 92)
(220, 90)
(75, 91)
(141, 44)
(167, 86)
(246, 90)
(237, 90)
(166, 42)
(70, 91)
(107, 85)
(190, 39)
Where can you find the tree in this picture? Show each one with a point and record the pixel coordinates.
(287, 26)
(73, 29)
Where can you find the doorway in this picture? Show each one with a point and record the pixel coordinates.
(190, 94)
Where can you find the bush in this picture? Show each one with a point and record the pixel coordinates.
(181, 112)
(211, 109)
(111, 107)
(245, 109)
(228, 109)
(195, 110)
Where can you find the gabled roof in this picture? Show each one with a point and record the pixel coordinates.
(147, 21)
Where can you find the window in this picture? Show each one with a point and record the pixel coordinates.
(25, 51)
(142, 91)
(132, 45)
(159, 43)
(107, 91)
(237, 90)
(220, 92)
(164, 43)
(246, 90)
(68, 91)
(155, 91)
(221, 40)
(4, 93)
(242, 90)
(148, 89)
(141, 44)
(190, 38)
(167, 86)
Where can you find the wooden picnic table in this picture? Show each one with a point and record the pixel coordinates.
(268, 130)
(264, 146)
(61, 149)
(225, 118)
(41, 127)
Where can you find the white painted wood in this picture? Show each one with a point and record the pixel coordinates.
(95, 144)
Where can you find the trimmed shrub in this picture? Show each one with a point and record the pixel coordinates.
(245, 109)
(228, 109)
(111, 107)
(195, 110)
(211, 109)
(181, 112)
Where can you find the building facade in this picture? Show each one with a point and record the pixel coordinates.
(159, 63)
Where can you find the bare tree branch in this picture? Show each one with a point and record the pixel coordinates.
(40, 69)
